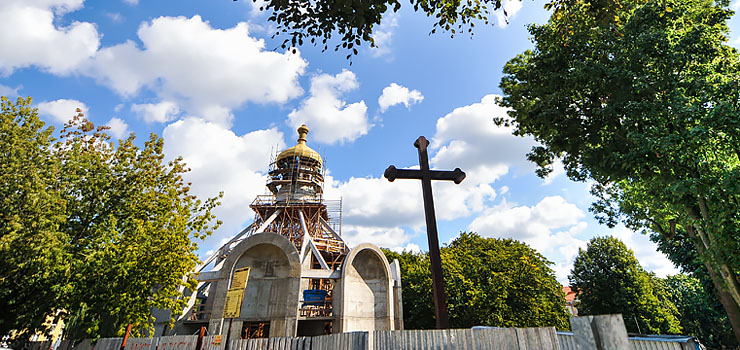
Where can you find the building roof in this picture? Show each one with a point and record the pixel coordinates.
(570, 294)
(301, 150)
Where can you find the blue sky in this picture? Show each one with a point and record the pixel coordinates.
(207, 76)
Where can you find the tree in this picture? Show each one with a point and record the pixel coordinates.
(489, 282)
(701, 314)
(33, 264)
(122, 239)
(609, 280)
(354, 21)
(694, 294)
(640, 97)
(416, 282)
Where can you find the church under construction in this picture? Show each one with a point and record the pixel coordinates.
(290, 273)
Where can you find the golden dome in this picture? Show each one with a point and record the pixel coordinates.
(300, 150)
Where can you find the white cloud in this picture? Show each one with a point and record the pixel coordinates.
(29, 36)
(62, 110)
(330, 119)
(132, 2)
(8, 91)
(467, 138)
(383, 35)
(511, 7)
(216, 70)
(532, 225)
(114, 16)
(156, 112)
(223, 161)
(645, 251)
(392, 238)
(367, 202)
(118, 128)
(395, 94)
(535, 225)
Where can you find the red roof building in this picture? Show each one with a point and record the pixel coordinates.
(570, 299)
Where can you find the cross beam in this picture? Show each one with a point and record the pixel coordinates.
(426, 176)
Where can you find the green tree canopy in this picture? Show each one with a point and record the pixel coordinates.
(112, 226)
(489, 282)
(640, 96)
(701, 314)
(354, 21)
(609, 280)
(31, 216)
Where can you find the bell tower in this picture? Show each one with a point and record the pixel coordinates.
(296, 174)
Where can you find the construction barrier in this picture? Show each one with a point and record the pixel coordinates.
(176, 342)
(109, 344)
(213, 342)
(567, 342)
(140, 344)
(467, 339)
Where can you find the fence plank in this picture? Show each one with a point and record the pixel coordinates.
(177, 342)
(139, 344)
(109, 344)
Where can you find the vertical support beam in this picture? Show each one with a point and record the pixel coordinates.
(125, 337)
(307, 241)
(200, 338)
(268, 221)
(306, 236)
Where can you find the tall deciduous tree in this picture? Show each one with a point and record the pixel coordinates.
(701, 314)
(641, 97)
(131, 223)
(31, 215)
(609, 280)
(102, 231)
(489, 282)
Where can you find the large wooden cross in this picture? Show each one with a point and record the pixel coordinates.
(426, 176)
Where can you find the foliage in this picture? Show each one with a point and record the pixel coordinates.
(124, 226)
(489, 282)
(640, 96)
(701, 314)
(416, 283)
(33, 264)
(609, 280)
(694, 294)
(130, 218)
(354, 21)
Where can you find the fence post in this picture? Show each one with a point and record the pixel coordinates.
(125, 337)
(601, 332)
(199, 344)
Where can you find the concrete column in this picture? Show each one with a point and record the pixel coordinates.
(601, 332)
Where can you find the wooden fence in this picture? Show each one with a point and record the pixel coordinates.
(567, 342)
(468, 339)
(340, 341)
(452, 339)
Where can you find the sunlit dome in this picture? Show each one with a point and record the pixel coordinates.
(300, 150)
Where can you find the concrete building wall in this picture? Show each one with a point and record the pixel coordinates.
(273, 287)
(366, 291)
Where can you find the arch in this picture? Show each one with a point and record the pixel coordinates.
(366, 291)
(272, 291)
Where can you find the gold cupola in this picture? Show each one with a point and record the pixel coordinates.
(297, 173)
(300, 150)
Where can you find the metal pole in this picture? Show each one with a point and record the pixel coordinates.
(440, 298)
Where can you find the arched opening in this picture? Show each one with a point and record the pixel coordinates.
(366, 292)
